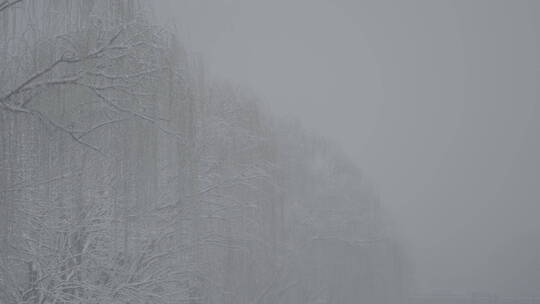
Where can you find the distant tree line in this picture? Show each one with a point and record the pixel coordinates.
(129, 176)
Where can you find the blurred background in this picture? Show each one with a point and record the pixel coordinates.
(437, 101)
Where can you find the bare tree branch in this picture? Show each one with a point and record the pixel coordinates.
(7, 4)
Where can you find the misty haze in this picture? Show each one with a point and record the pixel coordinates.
(270, 151)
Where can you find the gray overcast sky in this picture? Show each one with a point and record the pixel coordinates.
(437, 100)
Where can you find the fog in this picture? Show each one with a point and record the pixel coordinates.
(266, 152)
(437, 101)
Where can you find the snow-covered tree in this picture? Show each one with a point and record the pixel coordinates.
(128, 175)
